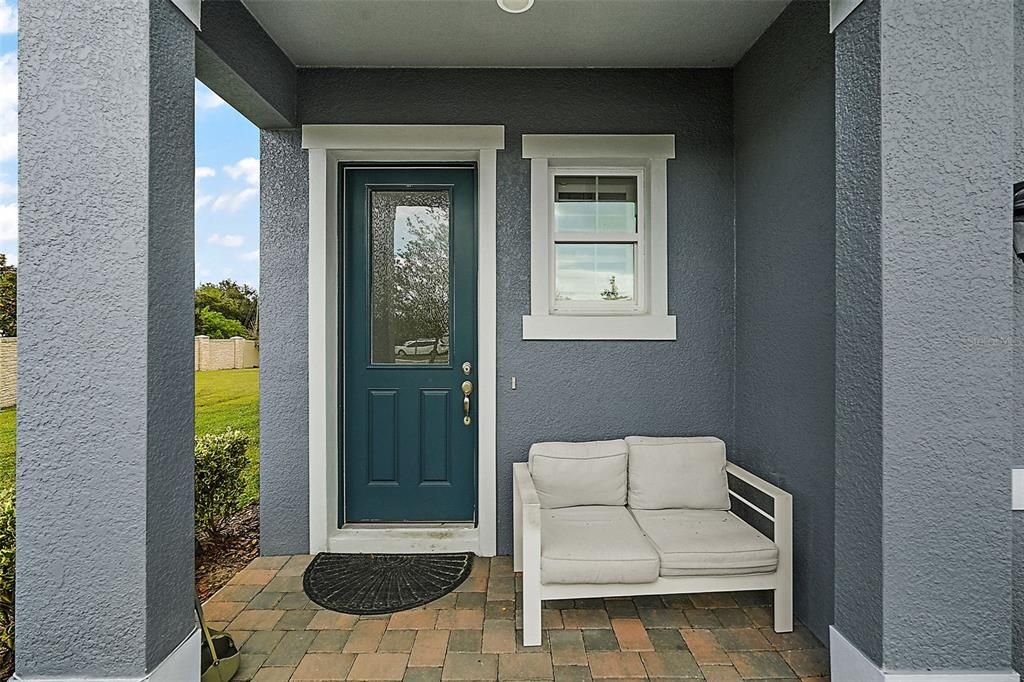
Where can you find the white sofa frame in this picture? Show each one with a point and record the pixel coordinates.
(527, 530)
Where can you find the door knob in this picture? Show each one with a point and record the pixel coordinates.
(467, 390)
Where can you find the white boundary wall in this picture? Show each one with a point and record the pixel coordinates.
(211, 354)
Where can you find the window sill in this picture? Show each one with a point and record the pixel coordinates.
(593, 327)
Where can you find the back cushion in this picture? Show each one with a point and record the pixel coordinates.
(677, 473)
(578, 474)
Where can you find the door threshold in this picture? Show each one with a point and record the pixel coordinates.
(404, 538)
(407, 524)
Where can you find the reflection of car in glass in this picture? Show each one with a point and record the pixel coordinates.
(423, 347)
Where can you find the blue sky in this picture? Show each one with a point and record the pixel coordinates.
(227, 174)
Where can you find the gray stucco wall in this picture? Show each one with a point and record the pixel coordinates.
(785, 283)
(105, 479)
(284, 366)
(927, 275)
(616, 388)
(1018, 338)
(858, 332)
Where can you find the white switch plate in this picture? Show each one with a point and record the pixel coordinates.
(1017, 487)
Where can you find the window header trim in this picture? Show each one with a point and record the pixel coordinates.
(599, 146)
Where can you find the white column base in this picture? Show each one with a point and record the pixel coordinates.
(849, 664)
(181, 665)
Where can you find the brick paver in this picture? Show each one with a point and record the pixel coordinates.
(379, 667)
(475, 633)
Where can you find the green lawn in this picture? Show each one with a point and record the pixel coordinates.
(225, 399)
(6, 447)
(230, 399)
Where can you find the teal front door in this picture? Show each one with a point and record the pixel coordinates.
(409, 333)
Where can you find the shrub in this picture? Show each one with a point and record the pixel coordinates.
(220, 461)
(6, 575)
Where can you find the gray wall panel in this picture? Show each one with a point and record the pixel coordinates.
(785, 283)
(947, 313)
(616, 388)
(924, 308)
(1018, 337)
(858, 335)
(284, 327)
(106, 167)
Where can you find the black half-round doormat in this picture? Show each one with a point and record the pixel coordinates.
(370, 584)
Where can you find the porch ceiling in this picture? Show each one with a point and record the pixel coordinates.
(476, 33)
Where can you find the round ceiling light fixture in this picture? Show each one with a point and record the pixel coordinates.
(515, 6)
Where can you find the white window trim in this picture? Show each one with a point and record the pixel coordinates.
(611, 154)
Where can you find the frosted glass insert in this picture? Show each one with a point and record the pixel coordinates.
(409, 276)
(595, 204)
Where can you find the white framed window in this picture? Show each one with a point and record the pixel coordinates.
(599, 237)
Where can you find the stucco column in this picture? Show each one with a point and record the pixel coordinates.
(105, 397)
(924, 325)
(284, 341)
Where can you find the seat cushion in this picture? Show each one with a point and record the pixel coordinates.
(677, 473)
(594, 544)
(706, 542)
(577, 474)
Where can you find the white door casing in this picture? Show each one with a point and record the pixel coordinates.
(328, 145)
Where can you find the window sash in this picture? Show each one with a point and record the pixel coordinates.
(637, 306)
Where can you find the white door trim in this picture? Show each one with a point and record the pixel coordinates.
(327, 145)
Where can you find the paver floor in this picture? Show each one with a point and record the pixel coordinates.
(475, 634)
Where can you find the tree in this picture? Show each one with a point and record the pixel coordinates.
(233, 301)
(8, 298)
(215, 325)
(612, 292)
(421, 278)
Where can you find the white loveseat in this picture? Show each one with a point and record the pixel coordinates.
(644, 516)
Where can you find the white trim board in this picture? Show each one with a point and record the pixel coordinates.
(411, 138)
(1017, 489)
(599, 146)
(328, 145)
(191, 10)
(850, 664)
(838, 11)
(181, 665)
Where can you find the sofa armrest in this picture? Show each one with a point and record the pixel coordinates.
(782, 531)
(526, 520)
(525, 513)
(781, 516)
(527, 492)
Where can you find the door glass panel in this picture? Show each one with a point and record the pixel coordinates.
(409, 276)
(595, 272)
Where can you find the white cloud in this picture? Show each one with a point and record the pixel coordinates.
(232, 201)
(8, 17)
(250, 255)
(8, 190)
(8, 222)
(203, 172)
(247, 170)
(8, 103)
(205, 98)
(232, 241)
(12, 256)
